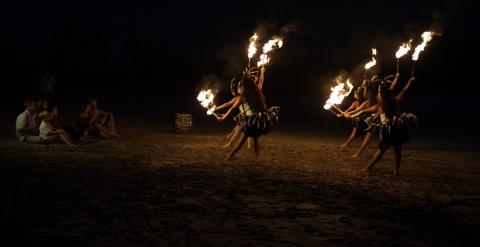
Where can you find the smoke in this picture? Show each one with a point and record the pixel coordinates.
(232, 58)
(289, 28)
(438, 21)
(342, 76)
(265, 29)
(212, 81)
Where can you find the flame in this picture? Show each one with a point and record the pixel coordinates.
(252, 49)
(403, 49)
(275, 42)
(373, 62)
(205, 97)
(338, 93)
(427, 37)
(264, 59)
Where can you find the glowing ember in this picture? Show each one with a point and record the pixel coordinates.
(403, 49)
(205, 97)
(373, 62)
(252, 49)
(427, 37)
(338, 93)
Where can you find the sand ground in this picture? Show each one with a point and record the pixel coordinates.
(154, 187)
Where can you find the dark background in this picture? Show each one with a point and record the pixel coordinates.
(150, 60)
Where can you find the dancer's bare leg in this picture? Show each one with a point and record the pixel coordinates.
(376, 157)
(237, 147)
(366, 141)
(233, 136)
(249, 142)
(350, 139)
(256, 147)
(398, 158)
(231, 133)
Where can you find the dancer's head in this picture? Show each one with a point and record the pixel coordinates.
(252, 94)
(386, 100)
(358, 94)
(370, 93)
(234, 87)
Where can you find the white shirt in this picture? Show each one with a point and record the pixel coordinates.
(45, 129)
(24, 120)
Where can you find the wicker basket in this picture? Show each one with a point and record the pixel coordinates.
(183, 123)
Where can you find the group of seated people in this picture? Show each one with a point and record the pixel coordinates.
(40, 124)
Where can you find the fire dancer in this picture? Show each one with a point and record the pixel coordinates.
(369, 93)
(235, 103)
(256, 120)
(394, 128)
(359, 124)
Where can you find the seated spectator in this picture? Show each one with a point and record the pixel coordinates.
(51, 135)
(99, 122)
(25, 125)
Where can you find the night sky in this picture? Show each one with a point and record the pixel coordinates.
(138, 57)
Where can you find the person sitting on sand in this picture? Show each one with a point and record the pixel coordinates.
(51, 135)
(40, 106)
(99, 121)
(25, 128)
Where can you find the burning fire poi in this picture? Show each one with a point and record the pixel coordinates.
(339, 92)
(205, 97)
(403, 49)
(373, 62)
(427, 37)
(252, 49)
(275, 42)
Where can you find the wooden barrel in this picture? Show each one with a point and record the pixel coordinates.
(183, 123)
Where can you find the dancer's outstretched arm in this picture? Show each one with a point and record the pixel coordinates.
(226, 104)
(357, 110)
(400, 95)
(371, 109)
(261, 79)
(352, 106)
(395, 81)
(235, 105)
